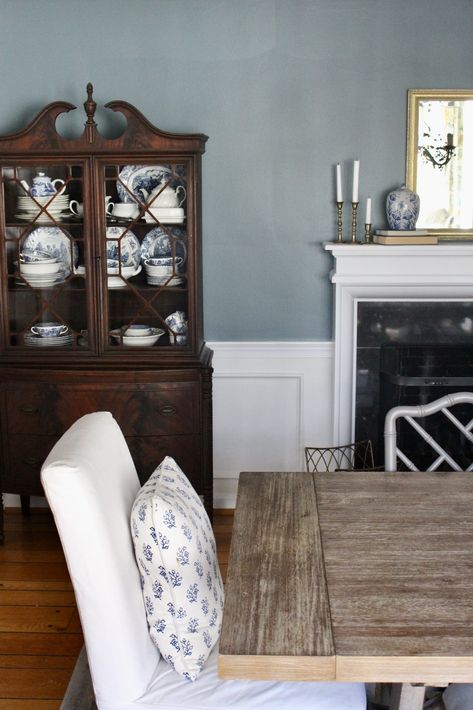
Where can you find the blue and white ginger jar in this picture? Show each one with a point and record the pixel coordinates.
(402, 208)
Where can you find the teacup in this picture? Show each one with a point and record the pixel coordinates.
(178, 339)
(176, 319)
(126, 210)
(77, 208)
(49, 330)
(164, 261)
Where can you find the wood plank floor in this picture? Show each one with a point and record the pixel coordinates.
(40, 632)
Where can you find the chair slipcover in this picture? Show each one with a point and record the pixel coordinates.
(90, 482)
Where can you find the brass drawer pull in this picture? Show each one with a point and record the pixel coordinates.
(167, 410)
(32, 460)
(29, 409)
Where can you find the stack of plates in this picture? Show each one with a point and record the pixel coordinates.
(55, 341)
(164, 280)
(44, 281)
(29, 208)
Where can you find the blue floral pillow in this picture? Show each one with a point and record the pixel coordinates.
(177, 557)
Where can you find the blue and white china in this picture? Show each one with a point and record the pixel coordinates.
(49, 329)
(165, 197)
(112, 264)
(36, 341)
(402, 208)
(177, 323)
(43, 186)
(125, 248)
(54, 242)
(141, 341)
(30, 257)
(164, 261)
(158, 242)
(139, 177)
(175, 319)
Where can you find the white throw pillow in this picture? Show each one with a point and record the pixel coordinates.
(177, 558)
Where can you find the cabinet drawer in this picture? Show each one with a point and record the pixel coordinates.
(26, 455)
(144, 411)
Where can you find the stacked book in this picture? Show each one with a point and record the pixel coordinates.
(404, 236)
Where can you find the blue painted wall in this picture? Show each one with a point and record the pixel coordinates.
(284, 89)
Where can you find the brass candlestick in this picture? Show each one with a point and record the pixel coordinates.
(339, 222)
(368, 237)
(354, 207)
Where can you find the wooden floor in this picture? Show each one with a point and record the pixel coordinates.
(40, 633)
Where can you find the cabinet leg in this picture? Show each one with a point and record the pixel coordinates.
(25, 505)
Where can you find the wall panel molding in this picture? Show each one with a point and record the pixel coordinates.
(270, 400)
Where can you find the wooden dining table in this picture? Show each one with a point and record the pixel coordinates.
(351, 576)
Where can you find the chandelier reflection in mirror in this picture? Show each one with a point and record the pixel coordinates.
(439, 155)
(440, 159)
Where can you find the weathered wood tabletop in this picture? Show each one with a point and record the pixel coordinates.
(364, 576)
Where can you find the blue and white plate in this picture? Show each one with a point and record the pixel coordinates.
(53, 241)
(138, 177)
(127, 249)
(158, 242)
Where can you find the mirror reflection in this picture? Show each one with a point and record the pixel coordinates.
(440, 159)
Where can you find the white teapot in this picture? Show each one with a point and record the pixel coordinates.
(165, 197)
(42, 186)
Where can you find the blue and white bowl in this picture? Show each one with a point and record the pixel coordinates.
(125, 248)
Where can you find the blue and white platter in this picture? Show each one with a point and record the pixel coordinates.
(53, 241)
(126, 248)
(138, 177)
(158, 242)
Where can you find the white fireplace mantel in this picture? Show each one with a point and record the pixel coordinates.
(388, 273)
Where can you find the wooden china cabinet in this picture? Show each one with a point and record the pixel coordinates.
(101, 294)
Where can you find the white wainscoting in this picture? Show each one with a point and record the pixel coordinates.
(270, 399)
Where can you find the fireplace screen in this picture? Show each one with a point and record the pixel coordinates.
(410, 352)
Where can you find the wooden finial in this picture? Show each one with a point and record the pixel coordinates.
(90, 107)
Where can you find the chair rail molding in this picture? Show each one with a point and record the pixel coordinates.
(373, 272)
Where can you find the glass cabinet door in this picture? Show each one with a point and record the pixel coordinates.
(148, 254)
(43, 249)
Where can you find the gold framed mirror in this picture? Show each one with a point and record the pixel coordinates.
(439, 161)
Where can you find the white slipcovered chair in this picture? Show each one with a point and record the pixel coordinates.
(90, 482)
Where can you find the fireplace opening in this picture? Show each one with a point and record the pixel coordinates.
(413, 352)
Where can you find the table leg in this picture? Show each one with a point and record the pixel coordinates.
(407, 696)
